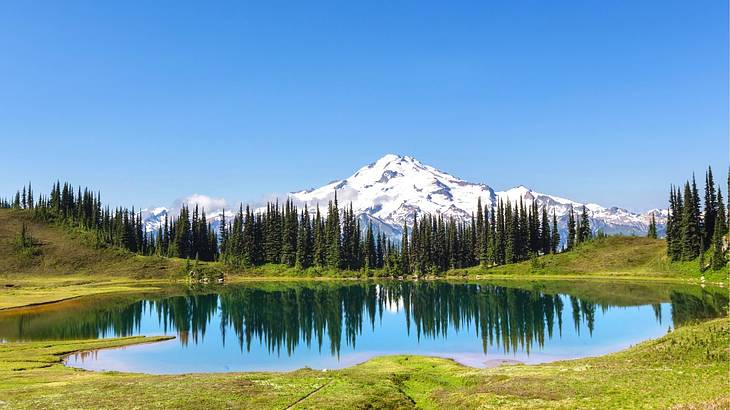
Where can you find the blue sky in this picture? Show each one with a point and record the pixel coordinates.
(606, 102)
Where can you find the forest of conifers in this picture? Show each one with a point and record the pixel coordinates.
(336, 238)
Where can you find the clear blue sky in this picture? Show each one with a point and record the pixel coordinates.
(606, 102)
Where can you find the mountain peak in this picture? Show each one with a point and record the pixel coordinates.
(388, 158)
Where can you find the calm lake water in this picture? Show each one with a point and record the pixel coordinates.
(324, 325)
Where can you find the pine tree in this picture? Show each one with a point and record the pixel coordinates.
(710, 209)
(404, 262)
(223, 235)
(510, 234)
(501, 235)
(721, 229)
(691, 234)
(414, 250)
(30, 196)
(320, 240)
(652, 228)
(304, 241)
(480, 253)
(555, 239)
(289, 234)
(334, 235)
(571, 230)
(492, 249)
(249, 245)
(545, 235)
(674, 224)
(369, 257)
(585, 226)
(183, 234)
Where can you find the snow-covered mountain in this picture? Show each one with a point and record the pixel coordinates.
(390, 191)
(393, 189)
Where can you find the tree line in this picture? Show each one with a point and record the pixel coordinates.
(185, 237)
(431, 245)
(692, 231)
(302, 238)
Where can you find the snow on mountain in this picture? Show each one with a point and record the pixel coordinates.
(390, 191)
(393, 189)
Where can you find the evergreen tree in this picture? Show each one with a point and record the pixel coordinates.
(511, 232)
(571, 230)
(691, 234)
(369, 256)
(652, 228)
(272, 233)
(223, 234)
(30, 196)
(404, 262)
(501, 236)
(304, 241)
(584, 233)
(492, 249)
(674, 225)
(334, 238)
(555, 239)
(545, 234)
(320, 240)
(710, 208)
(289, 234)
(183, 234)
(480, 249)
(250, 238)
(718, 252)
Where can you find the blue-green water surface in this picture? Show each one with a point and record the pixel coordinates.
(324, 325)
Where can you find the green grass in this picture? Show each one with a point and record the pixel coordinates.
(615, 256)
(688, 367)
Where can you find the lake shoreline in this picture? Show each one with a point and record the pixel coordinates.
(640, 375)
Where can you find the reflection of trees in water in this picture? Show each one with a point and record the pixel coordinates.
(687, 307)
(283, 318)
(188, 315)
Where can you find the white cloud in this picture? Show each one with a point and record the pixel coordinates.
(206, 202)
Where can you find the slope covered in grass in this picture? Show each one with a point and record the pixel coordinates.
(614, 255)
(67, 251)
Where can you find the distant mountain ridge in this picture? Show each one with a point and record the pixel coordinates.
(395, 188)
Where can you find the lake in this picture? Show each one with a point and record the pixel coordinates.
(274, 326)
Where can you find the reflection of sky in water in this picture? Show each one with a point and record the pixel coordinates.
(614, 328)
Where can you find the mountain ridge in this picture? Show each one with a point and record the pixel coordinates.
(391, 191)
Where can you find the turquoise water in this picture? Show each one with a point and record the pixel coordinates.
(287, 326)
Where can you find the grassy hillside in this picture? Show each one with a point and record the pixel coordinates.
(66, 251)
(614, 256)
(686, 368)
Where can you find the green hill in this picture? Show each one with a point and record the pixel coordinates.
(59, 250)
(610, 256)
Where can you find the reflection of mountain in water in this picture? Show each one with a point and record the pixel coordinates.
(283, 317)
